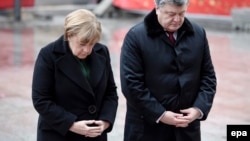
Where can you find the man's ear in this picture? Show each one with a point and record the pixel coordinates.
(157, 10)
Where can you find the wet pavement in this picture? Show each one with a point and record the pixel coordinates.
(20, 43)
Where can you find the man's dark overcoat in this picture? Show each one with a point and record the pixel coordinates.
(157, 75)
(62, 95)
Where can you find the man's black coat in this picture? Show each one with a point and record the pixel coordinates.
(157, 76)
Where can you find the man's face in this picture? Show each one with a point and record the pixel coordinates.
(171, 17)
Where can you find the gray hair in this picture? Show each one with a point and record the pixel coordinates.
(159, 3)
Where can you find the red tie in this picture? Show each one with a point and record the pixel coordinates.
(171, 37)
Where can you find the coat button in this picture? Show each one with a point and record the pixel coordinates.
(92, 109)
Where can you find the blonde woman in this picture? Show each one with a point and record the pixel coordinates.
(73, 88)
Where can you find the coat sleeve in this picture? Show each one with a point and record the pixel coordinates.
(42, 95)
(132, 80)
(110, 99)
(208, 84)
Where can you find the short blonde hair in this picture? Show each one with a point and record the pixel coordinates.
(84, 24)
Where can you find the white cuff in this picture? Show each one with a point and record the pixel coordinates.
(158, 120)
(200, 117)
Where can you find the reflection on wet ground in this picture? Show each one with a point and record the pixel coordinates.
(19, 46)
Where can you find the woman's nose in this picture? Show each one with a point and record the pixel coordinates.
(86, 49)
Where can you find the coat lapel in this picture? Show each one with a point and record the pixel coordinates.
(70, 67)
(97, 66)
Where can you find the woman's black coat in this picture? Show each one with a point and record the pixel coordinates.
(157, 76)
(61, 95)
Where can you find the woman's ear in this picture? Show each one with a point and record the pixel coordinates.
(69, 37)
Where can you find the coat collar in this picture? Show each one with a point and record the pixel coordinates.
(154, 28)
(67, 63)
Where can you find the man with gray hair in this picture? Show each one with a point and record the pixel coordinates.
(167, 76)
(176, 2)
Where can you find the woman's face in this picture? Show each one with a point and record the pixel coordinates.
(79, 49)
(171, 17)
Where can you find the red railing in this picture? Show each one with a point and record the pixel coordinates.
(215, 7)
(7, 4)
